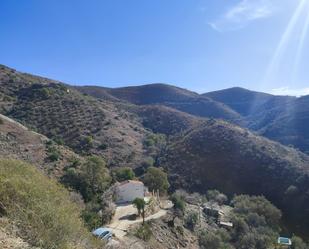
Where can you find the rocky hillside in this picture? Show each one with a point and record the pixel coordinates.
(223, 156)
(18, 142)
(85, 124)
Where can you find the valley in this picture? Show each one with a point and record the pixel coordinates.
(235, 140)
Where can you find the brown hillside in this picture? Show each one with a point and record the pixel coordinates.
(220, 155)
(85, 124)
(171, 96)
(18, 142)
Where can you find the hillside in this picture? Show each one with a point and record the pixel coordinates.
(220, 155)
(165, 120)
(171, 96)
(240, 100)
(18, 142)
(281, 118)
(40, 210)
(199, 153)
(85, 124)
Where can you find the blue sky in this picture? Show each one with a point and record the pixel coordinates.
(202, 45)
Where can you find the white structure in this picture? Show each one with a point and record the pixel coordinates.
(129, 190)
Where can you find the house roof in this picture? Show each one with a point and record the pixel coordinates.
(225, 223)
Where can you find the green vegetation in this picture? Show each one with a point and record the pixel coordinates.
(124, 173)
(41, 208)
(298, 243)
(215, 240)
(191, 220)
(179, 203)
(90, 179)
(144, 232)
(53, 153)
(255, 225)
(156, 179)
(216, 196)
(140, 204)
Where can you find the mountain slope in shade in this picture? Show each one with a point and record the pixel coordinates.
(240, 100)
(166, 120)
(171, 96)
(282, 118)
(231, 159)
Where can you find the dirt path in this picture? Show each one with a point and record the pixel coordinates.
(121, 221)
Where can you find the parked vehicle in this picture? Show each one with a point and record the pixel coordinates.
(103, 233)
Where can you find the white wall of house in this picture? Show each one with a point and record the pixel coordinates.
(128, 191)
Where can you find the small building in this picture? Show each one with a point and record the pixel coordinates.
(284, 242)
(127, 191)
(226, 224)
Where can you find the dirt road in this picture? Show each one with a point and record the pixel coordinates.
(121, 220)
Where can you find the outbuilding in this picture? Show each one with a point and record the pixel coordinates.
(127, 191)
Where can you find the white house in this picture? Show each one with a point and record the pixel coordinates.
(127, 191)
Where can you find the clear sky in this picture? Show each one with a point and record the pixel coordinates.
(201, 45)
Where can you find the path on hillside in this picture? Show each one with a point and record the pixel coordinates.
(121, 221)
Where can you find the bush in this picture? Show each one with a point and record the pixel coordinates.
(213, 240)
(178, 202)
(53, 153)
(41, 208)
(144, 232)
(298, 243)
(244, 205)
(209, 240)
(191, 220)
(122, 174)
(156, 179)
(216, 196)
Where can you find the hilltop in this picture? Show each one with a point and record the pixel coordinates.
(170, 96)
(281, 118)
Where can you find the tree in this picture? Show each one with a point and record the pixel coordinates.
(140, 204)
(125, 173)
(216, 196)
(156, 179)
(298, 243)
(94, 176)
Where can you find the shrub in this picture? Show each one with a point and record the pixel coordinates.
(191, 220)
(41, 208)
(209, 240)
(144, 232)
(103, 146)
(94, 177)
(298, 243)
(53, 153)
(178, 202)
(216, 196)
(244, 205)
(122, 174)
(156, 179)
